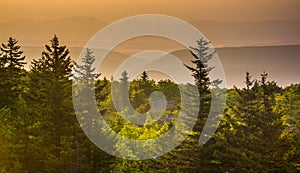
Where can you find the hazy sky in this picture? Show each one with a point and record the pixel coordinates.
(108, 10)
(73, 34)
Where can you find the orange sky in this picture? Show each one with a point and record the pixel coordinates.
(108, 10)
(188, 10)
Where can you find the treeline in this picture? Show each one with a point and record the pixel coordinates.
(39, 132)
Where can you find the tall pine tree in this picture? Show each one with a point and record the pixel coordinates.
(50, 98)
(190, 156)
(89, 158)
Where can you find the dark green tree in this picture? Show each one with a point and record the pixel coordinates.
(50, 98)
(88, 88)
(10, 145)
(144, 76)
(202, 54)
(236, 136)
(12, 80)
(12, 55)
(249, 138)
(11, 72)
(197, 158)
(140, 90)
(289, 104)
(271, 124)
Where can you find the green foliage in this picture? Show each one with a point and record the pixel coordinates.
(251, 134)
(11, 72)
(39, 131)
(140, 90)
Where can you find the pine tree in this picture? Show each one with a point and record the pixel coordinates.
(240, 122)
(8, 148)
(50, 98)
(124, 77)
(144, 76)
(85, 72)
(198, 157)
(202, 54)
(271, 124)
(249, 137)
(140, 90)
(12, 55)
(11, 72)
(14, 134)
(86, 77)
(289, 104)
(123, 101)
(87, 88)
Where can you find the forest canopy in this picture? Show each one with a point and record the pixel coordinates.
(39, 132)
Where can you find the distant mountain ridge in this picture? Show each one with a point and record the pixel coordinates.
(281, 62)
(73, 31)
(76, 31)
(239, 34)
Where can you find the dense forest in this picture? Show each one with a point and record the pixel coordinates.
(39, 131)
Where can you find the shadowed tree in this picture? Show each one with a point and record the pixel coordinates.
(202, 54)
(250, 137)
(50, 98)
(12, 54)
(140, 90)
(87, 88)
(200, 71)
(11, 72)
(197, 157)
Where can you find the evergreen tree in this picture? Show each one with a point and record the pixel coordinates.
(196, 157)
(140, 90)
(12, 55)
(202, 54)
(124, 77)
(9, 161)
(86, 77)
(289, 104)
(14, 133)
(50, 97)
(239, 133)
(271, 124)
(249, 137)
(123, 101)
(144, 76)
(12, 91)
(89, 157)
(40, 133)
(85, 72)
(11, 72)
